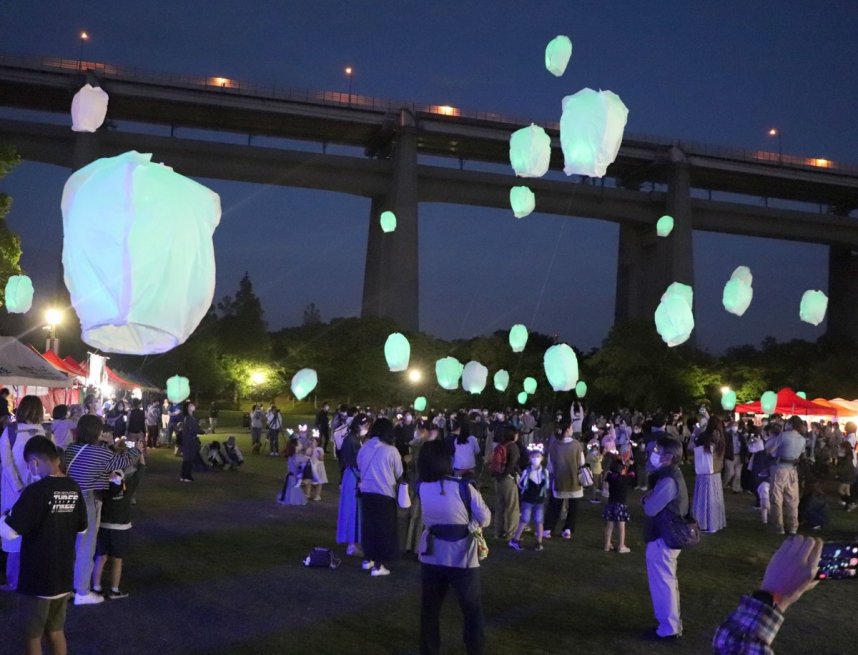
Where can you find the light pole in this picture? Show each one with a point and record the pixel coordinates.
(84, 37)
(776, 132)
(349, 71)
(53, 317)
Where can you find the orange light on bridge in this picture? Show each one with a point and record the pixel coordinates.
(773, 132)
(445, 110)
(84, 36)
(820, 163)
(220, 81)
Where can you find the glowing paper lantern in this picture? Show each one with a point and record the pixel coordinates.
(581, 389)
(474, 377)
(664, 226)
(135, 236)
(728, 400)
(397, 352)
(674, 319)
(530, 151)
(517, 337)
(303, 382)
(522, 200)
(769, 402)
(19, 294)
(737, 297)
(448, 370)
(387, 220)
(529, 385)
(178, 389)
(561, 367)
(682, 290)
(557, 54)
(801, 394)
(420, 404)
(591, 130)
(743, 274)
(813, 307)
(501, 380)
(88, 109)
(522, 397)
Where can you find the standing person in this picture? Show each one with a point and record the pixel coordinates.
(190, 440)
(708, 504)
(380, 468)
(214, 412)
(348, 515)
(136, 430)
(317, 462)
(275, 424)
(257, 421)
(786, 448)
(565, 458)
(5, 405)
(323, 425)
(16, 476)
(527, 426)
(620, 476)
(466, 450)
(48, 516)
(504, 470)
(448, 551)
(62, 427)
(153, 414)
(733, 458)
(534, 485)
(668, 493)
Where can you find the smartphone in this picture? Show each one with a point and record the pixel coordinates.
(839, 561)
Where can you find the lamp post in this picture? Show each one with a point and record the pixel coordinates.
(53, 317)
(776, 132)
(349, 71)
(84, 37)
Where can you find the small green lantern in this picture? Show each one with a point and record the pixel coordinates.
(522, 397)
(728, 400)
(397, 352)
(801, 394)
(522, 200)
(420, 404)
(558, 52)
(501, 380)
(769, 402)
(561, 367)
(813, 307)
(518, 337)
(581, 389)
(19, 294)
(178, 389)
(530, 151)
(387, 220)
(664, 226)
(448, 370)
(530, 385)
(303, 382)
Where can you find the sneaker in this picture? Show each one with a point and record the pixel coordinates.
(367, 564)
(515, 544)
(851, 507)
(595, 501)
(380, 571)
(779, 531)
(622, 550)
(116, 594)
(7, 587)
(354, 551)
(539, 547)
(566, 534)
(546, 534)
(89, 598)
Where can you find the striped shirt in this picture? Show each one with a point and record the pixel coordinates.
(94, 464)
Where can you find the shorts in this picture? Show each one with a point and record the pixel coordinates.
(113, 543)
(763, 495)
(535, 511)
(38, 616)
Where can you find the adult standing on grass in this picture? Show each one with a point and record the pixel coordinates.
(380, 468)
(786, 448)
(348, 516)
(190, 440)
(708, 505)
(323, 425)
(257, 423)
(504, 469)
(448, 552)
(275, 424)
(565, 458)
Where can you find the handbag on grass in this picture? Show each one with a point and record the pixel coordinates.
(677, 531)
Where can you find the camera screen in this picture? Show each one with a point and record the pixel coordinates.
(839, 561)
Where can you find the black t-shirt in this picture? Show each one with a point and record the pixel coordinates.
(136, 421)
(48, 516)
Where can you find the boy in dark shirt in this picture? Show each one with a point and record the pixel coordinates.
(48, 516)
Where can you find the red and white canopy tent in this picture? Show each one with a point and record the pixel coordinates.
(26, 372)
(788, 404)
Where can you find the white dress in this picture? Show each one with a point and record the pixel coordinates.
(320, 475)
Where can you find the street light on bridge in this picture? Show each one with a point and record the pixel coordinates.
(348, 72)
(776, 132)
(84, 37)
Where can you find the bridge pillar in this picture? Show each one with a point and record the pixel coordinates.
(843, 293)
(85, 149)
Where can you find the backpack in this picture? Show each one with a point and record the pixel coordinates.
(321, 557)
(497, 465)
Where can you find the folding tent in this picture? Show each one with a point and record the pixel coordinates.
(28, 373)
(789, 403)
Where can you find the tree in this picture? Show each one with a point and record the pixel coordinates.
(241, 328)
(312, 315)
(10, 243)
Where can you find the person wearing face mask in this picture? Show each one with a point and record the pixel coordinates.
(348, 520)
(669, 494)
(533, 486)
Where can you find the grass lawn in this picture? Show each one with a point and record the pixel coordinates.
(215, 567)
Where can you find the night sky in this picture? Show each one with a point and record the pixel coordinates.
(720, 73)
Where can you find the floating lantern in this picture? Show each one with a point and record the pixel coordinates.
(178, 389)
(561, 367)
(530, 385)
(501, 380)
(674, 319)
(474, 377)
(728, 400)
(801, 394)
(664, 226)
(743, 274)
(136, 234)
(397, 352)
(448, 370)
(682, 290)
(581, 389)
(813, 307)
(522, 200)
(88, 108)
(19, 294)
(591, 130)
(303, 382)
(517, 337)
(769, 402)
(737, 297)
(522, 397)
(557, 54)
(530, 151)
(387, 220)
(420, 404)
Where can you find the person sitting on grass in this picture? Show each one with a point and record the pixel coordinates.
(49, 515)
(812, 509)
(534, 485)
(212, 456)
(231, 454)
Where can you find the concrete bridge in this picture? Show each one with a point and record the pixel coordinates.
(392, 140)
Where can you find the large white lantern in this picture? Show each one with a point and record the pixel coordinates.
(517, 337)
(19, 294)
(501, 380)
(561, 367)
(813, 307)
(529, 385)
(591, 130)
(397, 352)
(137, 252)
(530, 151)
(448, 370)
(474, 377)
(522, 200)
(178, 389)
(88, 109)
(303, 382)
(558, 52)
(674, 319)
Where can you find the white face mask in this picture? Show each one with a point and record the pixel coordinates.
(363, 433)
(655, 460)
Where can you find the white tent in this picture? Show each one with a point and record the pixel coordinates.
(20, 366)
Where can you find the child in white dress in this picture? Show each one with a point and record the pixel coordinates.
(320, 475)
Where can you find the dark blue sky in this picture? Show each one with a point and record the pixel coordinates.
(721, 73)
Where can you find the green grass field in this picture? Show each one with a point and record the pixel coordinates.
(216, 567)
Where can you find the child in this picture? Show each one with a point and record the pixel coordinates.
(48, 516)
(232, 456)
(533, 486)
(292, 492)
(113, 531)
(317, 464)
(759, 467)
(620, 476)
(594, 459)
(844, 471)
(211, 455)
(813, 510)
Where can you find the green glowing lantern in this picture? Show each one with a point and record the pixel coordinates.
(420, 404)
(522, 200)
(178, 389)
(517, 337)
(674, 319)
(501, 380)
(522, 398)
(19, 294)
(581, 389)
(474, 377)
(743, 274)
(397, 352)
(737, 297)
(591, 130)
(448, 370)
(557, 54)
(728, 400)
(303, 382)
(801, 394)
(813, 307)
(529, 385)
(769, 402)
(561, 367)
(387, 220)
(664, 226)
(530, 151)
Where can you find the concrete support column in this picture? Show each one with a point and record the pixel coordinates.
(85, 149)
(843, 293)
(372, 302)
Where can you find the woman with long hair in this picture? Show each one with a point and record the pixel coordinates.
(708, 504)
(348, 515)
(190, 440)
